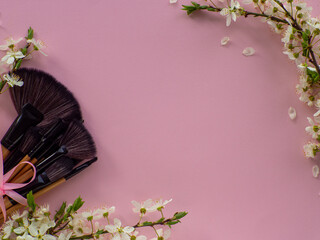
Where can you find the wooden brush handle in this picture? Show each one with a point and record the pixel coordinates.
(5, 152)
(17, 170)
(27, 167)
(24, 177)
(10, 208)
(20, 176)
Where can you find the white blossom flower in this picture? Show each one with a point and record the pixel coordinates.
(248, 51)
(313, 129)
(173, 1)
(105, 211)
(10, 42)
(158, 205)
(118, 232)
(39, 232)
(292, 113)
(22, 228)
(162, 234)
(7, 229)
(310, 150)
(13, 80)
(141, 207)
(224, 41)
(11, 56)
(230, 12)
(37, 45)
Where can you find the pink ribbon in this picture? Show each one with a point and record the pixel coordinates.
(7, 188)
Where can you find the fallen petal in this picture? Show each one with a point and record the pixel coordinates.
(225, 40)
(248, 51)
(315, 171)
(292, 113)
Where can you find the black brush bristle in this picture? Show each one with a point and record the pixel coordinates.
(60, 168)
(78, 141)
(46, 94)
(30, 139)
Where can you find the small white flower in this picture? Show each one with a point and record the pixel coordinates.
(173, 1)
(11, 56)
(140, 237)
(159, 205)
(10, 42)
(162, 234)
(141, 207)
(118, 232)
(292, 113)
(13, 80)
(310, 150)
(37, 45)
(249, 51)
(313, 129)
(105, 211)
(315, 171)
(39, 232)
(224, 41)
(230, 12)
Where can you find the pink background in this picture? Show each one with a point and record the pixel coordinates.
(175, 115)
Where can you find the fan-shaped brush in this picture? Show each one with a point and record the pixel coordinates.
(46, 94)
(76, 143)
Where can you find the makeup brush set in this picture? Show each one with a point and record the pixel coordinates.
(48, 132)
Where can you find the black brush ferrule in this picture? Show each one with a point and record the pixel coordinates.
(41, 166)
(28, 117)
(80, 168)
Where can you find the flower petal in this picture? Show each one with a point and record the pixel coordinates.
(315, 171)
(248, 51)
(224, 41)
(292, 113)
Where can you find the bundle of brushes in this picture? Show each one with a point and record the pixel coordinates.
(48, 132)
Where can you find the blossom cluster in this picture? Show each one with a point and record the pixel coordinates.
(301, 38)
(70, 223)
(16, 51)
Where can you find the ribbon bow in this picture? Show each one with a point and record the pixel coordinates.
(7, 188)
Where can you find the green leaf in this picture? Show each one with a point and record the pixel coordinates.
(197, 5)
(313, 77)
(24, 50)
(30, 33)
(160, 220)
(172, 223)
(60, 212)
(179, 215)
(77, 204)
(31, 203)
(18, 64)
(2, 83)
(147, 223)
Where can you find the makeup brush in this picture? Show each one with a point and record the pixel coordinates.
(46, 94)
(57, 170)
(41, 147)
(29, 116)
(28, 141)
(11, 208)
(76, 143)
